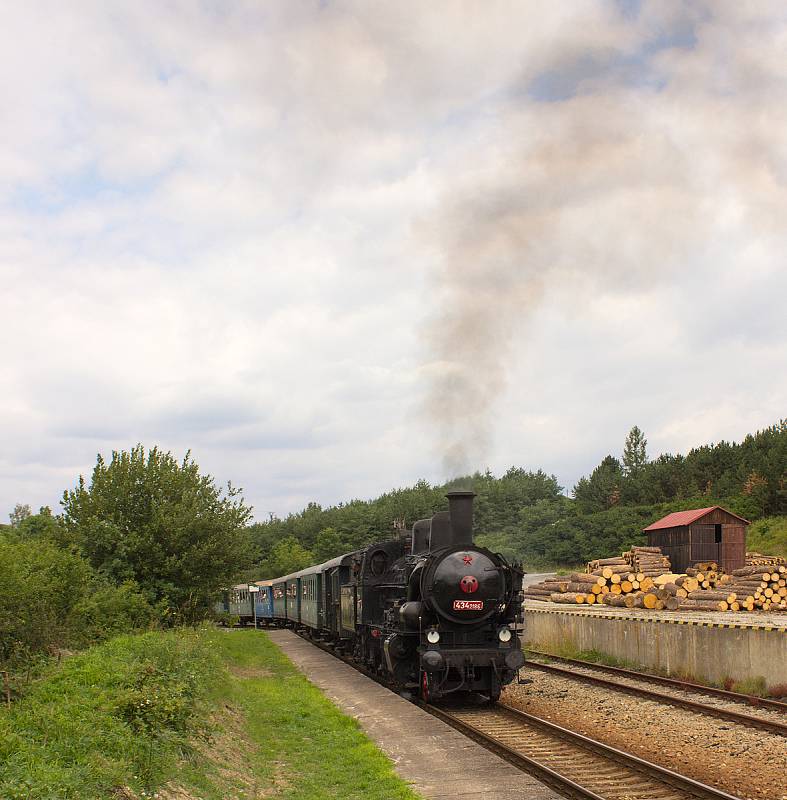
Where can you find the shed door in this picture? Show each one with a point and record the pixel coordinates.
(733, 547)
(703, 544)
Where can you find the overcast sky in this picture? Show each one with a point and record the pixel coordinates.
(333, 248)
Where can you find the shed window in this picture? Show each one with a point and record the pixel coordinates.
(718, 534)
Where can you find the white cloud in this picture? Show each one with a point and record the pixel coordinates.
(227, 228)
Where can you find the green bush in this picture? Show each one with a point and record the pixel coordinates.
(109, 610)
(148, 518)
(226, 619)
(51, 598)
(116, 715)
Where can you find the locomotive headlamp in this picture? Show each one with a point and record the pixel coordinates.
(504, 634)
(432, 636)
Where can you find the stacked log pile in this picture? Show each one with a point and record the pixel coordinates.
(759, 587)
(707, 576)
(544, 590)
(648, 560)
(759, 560)
(641, 578)
(606, 580)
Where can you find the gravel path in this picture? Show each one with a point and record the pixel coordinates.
(746, 762)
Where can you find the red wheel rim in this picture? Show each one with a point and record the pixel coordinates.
(425, 687)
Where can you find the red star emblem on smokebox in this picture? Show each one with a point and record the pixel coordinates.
(468, 559)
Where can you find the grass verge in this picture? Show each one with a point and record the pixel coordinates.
(119, 714)
(186, 715)
(305, 748)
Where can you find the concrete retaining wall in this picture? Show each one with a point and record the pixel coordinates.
(705, 651)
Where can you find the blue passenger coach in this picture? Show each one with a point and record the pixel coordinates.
(240, 603)
(263, 600)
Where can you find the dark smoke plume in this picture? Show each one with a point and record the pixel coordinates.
(608, 194)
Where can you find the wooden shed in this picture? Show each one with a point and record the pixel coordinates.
(704, 534)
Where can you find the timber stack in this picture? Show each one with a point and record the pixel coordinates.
(759, 587)
(641, 578)
(759, 560)
(648, 560)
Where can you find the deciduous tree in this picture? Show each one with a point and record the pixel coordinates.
(19, 514)
(149, 518)
(602, 489)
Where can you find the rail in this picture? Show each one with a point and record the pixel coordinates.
(772, 726)
(572, 764)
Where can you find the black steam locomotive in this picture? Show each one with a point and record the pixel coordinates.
(429, 610)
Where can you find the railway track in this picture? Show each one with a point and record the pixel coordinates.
(769, 724)
(574, 765)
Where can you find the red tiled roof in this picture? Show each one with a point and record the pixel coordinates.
(679, 518)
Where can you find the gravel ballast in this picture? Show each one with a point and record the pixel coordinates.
(744, 761)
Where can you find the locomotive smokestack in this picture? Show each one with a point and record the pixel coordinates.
(460, 511)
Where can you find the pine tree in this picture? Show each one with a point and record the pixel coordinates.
(602, 489)
(635, 456)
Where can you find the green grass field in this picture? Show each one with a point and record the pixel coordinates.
(768, 536)
(188, 714)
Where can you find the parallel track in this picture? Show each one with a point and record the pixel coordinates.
(750, 699)
(574, 765)
(770, 725)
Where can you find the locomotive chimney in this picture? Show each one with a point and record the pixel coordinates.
(460, 511)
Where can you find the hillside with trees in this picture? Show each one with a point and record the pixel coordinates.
(526, 516)
(148, 540)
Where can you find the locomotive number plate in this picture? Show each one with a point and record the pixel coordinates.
(468, 605)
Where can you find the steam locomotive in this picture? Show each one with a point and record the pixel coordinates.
(428, 611)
